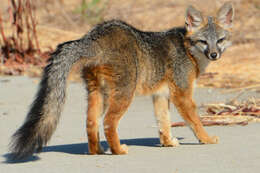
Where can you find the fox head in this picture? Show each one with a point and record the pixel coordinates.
(209, 35)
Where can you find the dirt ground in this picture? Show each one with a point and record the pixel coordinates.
(238, 149)
(60, 21)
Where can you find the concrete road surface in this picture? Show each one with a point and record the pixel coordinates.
(237, 152)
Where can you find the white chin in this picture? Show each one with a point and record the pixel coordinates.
(213, 59)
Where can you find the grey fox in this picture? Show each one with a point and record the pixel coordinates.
(118, 62)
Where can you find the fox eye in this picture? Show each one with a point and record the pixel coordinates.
(203, 42)
(221, 40)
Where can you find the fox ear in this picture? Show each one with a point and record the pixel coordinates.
(225, 15)
(193, 19)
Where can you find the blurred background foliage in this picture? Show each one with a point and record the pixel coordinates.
(62, 20)
(92, 11)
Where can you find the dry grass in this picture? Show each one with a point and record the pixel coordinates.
(239, 67)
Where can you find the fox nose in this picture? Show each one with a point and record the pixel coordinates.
(213, 55)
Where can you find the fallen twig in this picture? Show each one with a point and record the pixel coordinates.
(211, 123)
(231, 113)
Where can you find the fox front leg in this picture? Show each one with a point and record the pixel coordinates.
(182, 99)
(161, 110)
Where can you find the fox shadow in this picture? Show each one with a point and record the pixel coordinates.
(82, 148)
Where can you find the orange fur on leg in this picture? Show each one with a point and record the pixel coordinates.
(95, 109)
(187, 109)
(117, 108)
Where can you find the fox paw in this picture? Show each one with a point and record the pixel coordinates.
(122, 150)
(99, 150)
(171, 143)
(211, 140)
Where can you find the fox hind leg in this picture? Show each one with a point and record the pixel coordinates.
(95, 110)
(96, 107)
(118, 104)
(161, 109)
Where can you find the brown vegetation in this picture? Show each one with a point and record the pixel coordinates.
(59, 21)
(231, 113)
(21, 48)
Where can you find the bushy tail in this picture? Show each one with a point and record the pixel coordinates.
(45, 111)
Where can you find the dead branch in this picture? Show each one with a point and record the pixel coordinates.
(22, 47)
(5, 41)
(212, 123)
(33, 22)
(231, 113)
